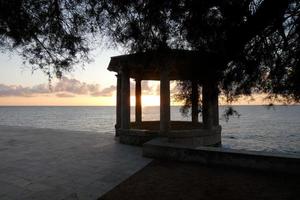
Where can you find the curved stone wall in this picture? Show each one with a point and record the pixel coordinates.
(181, 132)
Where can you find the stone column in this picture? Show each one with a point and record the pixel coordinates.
(138, 102)
(118, 103)
(195, 98)
(164, 101)
(216, 107)
(210, 110)
(125, 99)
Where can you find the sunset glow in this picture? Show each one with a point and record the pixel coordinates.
(85, 100)
(147, 100)
(94, 86)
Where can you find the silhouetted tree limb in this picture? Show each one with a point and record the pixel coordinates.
(253, 45)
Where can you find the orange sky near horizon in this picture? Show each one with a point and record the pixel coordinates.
(85, 100)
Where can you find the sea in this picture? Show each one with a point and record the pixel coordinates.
(258, 128)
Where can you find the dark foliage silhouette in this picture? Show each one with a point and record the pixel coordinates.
(253, 45)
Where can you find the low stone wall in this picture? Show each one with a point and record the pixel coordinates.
(181, 132)
(174, 125)
(196, 137)
(136, 137)
(162, 149)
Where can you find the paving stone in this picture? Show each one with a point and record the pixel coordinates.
(58, 164)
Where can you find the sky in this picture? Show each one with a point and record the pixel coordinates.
(91, 85)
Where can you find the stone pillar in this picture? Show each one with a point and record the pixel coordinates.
(118, 103)
(210, 107)
(164, 101)
(125, 99)
(138, 102)
(195, 98)
(216, 107)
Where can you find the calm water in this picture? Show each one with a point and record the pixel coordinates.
(258, 128)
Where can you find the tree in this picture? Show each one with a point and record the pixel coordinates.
(51, 35)
(253, 44)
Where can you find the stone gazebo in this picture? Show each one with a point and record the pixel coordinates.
(165, 66)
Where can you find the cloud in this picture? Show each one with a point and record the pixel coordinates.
(153, 88)
(75, 86)
(18, 90)
(148, 88)
(64, 95)
(65, 87)
(70, 87)
(105, 92)
(173, 88)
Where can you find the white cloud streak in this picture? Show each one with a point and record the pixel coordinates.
(64, 88)
(70, 87)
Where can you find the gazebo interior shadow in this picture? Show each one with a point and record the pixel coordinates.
(166, 66)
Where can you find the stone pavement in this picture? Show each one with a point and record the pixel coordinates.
(62, 165)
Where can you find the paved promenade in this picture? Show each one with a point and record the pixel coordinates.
(62, 165)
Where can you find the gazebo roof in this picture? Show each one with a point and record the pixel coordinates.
(182, 64)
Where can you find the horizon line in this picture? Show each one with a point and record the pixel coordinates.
(142, 106)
